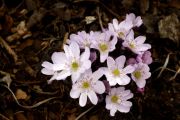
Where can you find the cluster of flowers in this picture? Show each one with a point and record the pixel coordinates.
(82, 50)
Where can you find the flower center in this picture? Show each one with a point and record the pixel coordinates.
(75, 66)
(114, 98)
(137, 74)
(116, 72)
(132, 45)
(85, 85)
(121, 34)
(103, 47)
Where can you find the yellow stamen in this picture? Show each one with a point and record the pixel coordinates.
(85, 85)
(116, 72)
(103, 47)
(75, 66)
(114, 99)
(137, 74)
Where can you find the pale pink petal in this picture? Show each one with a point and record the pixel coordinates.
(67, 51)
(127, 97)
(83, 99)
(75, 77)
(47, 71)
(123, 109)
(75, 93)
(120, 61)
(74, 47)
(99, 87)
(103, 57)
(141, 83)
(138, 21)
(144, 47)
(58, 58)
(124, 80)
(111, 63)
(93, 97)
(63, 74)
(113, 111)
(85, 55)
(140, 40)
(130, 36)
(115, 23)
(47, 65)
(128, 69)
(126, 103)
(97, 74)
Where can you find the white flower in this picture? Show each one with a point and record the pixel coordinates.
(58, 59)
(140, 74)
(121, 29)
(117, 100)
(87, 86)
(104, 44)
(136, 45)
(137, 21)
(116, 73)
(68, 63)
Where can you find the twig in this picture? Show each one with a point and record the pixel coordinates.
(9, 50)
(165, 65)
(4, 117)
(100, 21)
(28, 107)
(84, 113)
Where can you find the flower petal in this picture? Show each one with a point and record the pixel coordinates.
(141, 83)
(74, 47)
(47, 65)
(126, 103)
(123, 109)
(75, 76)
(130, 36)
(93, 97)
(124, 80)
(85, 55)
(113, 111)
(103, 57)
(128, 69)
(97, 74)
(115, 23)
(75, 93)
(58, 57)
(63, 74)
(140, 40)
(83, 99)
(111, 63)
(99, 87)
(47, 71)
(120, 61)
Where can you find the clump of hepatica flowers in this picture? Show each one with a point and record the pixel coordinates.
(116, 53)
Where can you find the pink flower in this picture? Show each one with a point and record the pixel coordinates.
(117, 100)
(136, 45)
(104, 44)
(116, 73)
(87, 86)
(140, 74)
(121, 29)
(83, 39)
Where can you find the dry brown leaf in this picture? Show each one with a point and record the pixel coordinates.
(9, 50)
(20, 94)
